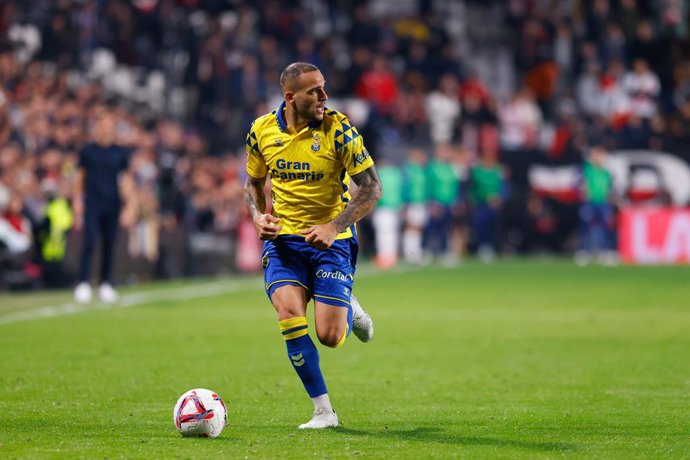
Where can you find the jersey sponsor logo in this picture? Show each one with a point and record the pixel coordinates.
(278, 142)
(361, 157)
(336, 275)
(295, 170)
(296, 165)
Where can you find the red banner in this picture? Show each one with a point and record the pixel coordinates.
(654, 236)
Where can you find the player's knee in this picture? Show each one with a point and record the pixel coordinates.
(288, 310)
(331, 337)
(288, 304)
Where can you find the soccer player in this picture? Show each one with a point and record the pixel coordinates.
(310, 241)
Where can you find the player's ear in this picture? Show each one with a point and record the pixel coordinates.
(289, 96)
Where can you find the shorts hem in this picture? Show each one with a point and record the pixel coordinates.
(270, 289)
(334, 301)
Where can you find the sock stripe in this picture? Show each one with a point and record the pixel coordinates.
(294, 329)
(294, 335)
(292, 322)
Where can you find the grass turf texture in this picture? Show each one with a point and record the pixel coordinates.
(512, 360)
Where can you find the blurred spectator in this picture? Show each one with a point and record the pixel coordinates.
(588, 90)
(444, 193)
(628, 18)
(15, 229)
(486, 192)
(614, 46)
(386, 216)
(52, 233)
(459, 238)
(409, 113)
(564, 54)
(596, 211)
(597, 20)
(478, 114)
(15, 242)
(614, 101)
(144, 233)
(520, 121)
(379, 86)
(415, 195)
(443, 108)
(642, 88)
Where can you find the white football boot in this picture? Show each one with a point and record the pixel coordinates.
(362, 325)
(83, 292)
(107, 293)
(323, 418)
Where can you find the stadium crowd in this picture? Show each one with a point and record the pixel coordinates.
(185, 77)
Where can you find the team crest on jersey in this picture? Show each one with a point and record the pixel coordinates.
(315, 146)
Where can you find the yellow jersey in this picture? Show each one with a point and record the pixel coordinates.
(310, 169)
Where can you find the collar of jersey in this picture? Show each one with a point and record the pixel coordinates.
(282, 124)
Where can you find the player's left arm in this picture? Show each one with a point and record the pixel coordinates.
(368, 194)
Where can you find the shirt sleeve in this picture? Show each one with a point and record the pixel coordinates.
(256, 166)
(350, 147)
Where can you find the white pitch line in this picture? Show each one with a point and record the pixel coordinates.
(179, 293)
(128, 300)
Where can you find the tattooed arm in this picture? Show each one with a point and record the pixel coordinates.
(368, 194)
(266, 224)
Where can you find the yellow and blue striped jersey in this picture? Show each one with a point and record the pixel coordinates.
(310, 169)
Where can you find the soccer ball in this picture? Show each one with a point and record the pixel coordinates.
(200, 413)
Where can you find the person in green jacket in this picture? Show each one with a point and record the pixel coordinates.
(596, 210)
(486, 193)
(444, 192)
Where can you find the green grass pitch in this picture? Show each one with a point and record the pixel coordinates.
(520, 359)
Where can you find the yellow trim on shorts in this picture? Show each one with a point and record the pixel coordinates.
(268, 287)
(332, 298)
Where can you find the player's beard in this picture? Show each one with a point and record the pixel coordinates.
(308, 111)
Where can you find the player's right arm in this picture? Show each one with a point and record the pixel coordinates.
(266, 225)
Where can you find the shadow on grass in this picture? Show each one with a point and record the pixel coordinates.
(426, 434)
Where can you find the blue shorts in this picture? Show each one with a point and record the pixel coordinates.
(326, 275)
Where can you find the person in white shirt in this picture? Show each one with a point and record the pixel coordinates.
(642, 87)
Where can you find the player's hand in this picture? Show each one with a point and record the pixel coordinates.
(267, 226)
(321, 236)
